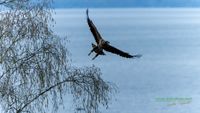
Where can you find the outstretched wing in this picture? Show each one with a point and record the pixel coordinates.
(119, 52)
(93, 29)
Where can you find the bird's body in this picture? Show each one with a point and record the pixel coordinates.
(103, 44)
(98, 49)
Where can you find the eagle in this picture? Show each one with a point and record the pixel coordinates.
(103, 44)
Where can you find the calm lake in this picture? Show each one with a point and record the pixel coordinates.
(166, 79)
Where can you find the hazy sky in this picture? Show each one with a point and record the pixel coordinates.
(125, 3)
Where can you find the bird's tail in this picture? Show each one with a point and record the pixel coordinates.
(137, 56)
(93, 45)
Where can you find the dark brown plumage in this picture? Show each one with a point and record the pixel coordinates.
(102, 44)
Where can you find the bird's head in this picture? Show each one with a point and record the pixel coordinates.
(107, 42)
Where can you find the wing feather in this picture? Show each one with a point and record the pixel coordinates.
(114, 50)
(93, 29)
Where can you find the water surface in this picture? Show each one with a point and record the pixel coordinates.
(169, 40)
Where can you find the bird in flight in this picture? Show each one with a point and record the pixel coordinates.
(104, 45)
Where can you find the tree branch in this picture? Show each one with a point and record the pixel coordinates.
(42, 93)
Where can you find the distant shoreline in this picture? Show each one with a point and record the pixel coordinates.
(151, 8)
